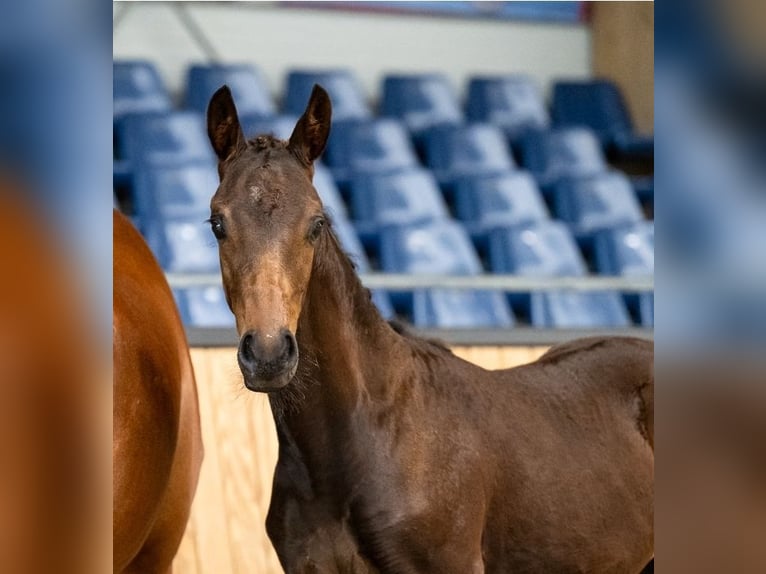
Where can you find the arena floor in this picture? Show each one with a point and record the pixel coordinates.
(226, 532)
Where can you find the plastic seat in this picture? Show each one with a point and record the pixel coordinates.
(204, 307)
(374, 146)
(544, 249)
(509, 199)
(592, 203)
(182, 246)
(281, 127)
(399, 198)
(180, 191)
(476, 149)
(421, 101)
(246, 83)
(564, 152)
(599, 105)
(439, 247)
(512, 103)
(348, 101)
(164, 138)
(629, 251)
(572, 309)
(460, 309)
(626, 250)
(328, 192)
(137, 88)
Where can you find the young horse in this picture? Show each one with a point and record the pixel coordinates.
(157, 449)
(395, 455)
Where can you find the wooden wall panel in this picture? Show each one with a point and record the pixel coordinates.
(226, 533)
(622, 36)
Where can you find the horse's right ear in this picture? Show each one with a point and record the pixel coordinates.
(223, 126)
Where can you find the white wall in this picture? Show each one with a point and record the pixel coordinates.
(277, 38)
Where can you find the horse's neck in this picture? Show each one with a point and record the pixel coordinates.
(346, 352)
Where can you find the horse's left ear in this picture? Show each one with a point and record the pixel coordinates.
(313, 128)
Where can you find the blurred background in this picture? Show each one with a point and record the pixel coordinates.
(507, 145)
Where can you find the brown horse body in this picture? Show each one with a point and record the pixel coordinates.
(157, 445)
(396, 456)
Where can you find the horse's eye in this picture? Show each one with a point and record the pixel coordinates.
(217, 226)
(316, 228)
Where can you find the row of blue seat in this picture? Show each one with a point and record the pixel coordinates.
(511, 102)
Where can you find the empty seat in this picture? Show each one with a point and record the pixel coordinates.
(475, 149)
(137, 88)
(439, 247)
(398, 198)
(509, 199)
(421, 101)
(368, 147)
(543, 249)
(599, 105)
(591, 203)
(164, 138)
(565, 152)
(182, 246)
(460, 309)
(572, 309)
(246, 83)
(179, 191)
(281, 127)
(328, 192)
(626, 250)
(513, 103)
(646, 309)
(348, 101)
(204, 307)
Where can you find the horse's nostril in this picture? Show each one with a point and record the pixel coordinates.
(246, 349)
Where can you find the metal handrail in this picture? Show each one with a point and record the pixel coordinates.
(509, 283)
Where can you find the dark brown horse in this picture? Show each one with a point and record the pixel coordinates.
(157, 448)
(395, 455)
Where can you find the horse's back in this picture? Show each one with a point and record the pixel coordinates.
(575, 461)
(157, 441)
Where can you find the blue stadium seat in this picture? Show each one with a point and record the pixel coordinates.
(382, 301)
(542, 249)
(398, 198)
(178, 191)
(564, 152)
(475, 149)
(460, 309)
(181, 245)
(204, 307)
(513, 103)
(348, 101)
(373, 146)
(328, 192)
(509, 199)
(591, 203)
(599, 105)
(421, 101)
(627, 250)
(164, 138)
(573, 309)
(438, 247)
(281, 127)
(246, 83)
(138, 88)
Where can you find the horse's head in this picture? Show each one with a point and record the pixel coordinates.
(267, 218)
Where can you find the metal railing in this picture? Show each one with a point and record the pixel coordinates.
(509, 283)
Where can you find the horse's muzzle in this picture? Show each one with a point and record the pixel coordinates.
(268, 362)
